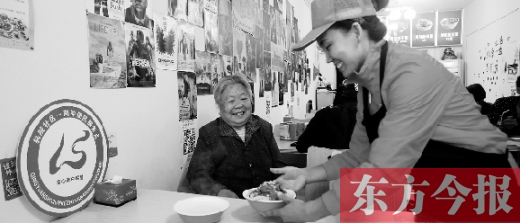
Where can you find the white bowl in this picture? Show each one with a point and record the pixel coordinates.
(203, 209)
(266, 205)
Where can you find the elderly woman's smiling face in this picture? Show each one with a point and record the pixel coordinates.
(235, 107)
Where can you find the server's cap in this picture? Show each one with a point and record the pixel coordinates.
(326, 12)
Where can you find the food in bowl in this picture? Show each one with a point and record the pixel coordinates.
(267, 191)
(449, 23)
(264, 200)
(423, 24)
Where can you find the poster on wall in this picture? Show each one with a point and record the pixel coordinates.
(239, 52)
(267, 71)
(288, 29)
(107, 52)
(140, 56)
(217, 72)
(265, 5)
(277, 60)
(259, 44)
(261, 88)
(186, 56)
(268, 104)
(188, 140)
(267, 32)
(114, 9)
(274, 16)
(296, 31)
(259, 12)
(211, 32)
(187, 95)
(251, 57)
(211, 5)
(282, 32)
(510, 49)
(166, 42)
(278, 5)
(178, 9)
(195, 12)
(281, 89)
(17, 24)
(139, 13)
(203, 72)
(225, 30)
(449, 30)
(286, 77)
(243, 16)
(423, 30)
(275, 89)
(399, 31)
(227, 65)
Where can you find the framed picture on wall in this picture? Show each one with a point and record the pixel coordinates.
(399, 31)
(449, 31)
(423, 30)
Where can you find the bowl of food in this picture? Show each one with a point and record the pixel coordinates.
(266, 196)
(449, 23)
(203, 209)
(423, 24)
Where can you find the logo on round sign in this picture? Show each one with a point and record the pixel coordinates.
(61, 156)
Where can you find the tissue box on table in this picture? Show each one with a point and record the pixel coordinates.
(115, 194)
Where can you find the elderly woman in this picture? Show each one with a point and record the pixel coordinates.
(235, 151)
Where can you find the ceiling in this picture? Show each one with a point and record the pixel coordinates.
(427, 5)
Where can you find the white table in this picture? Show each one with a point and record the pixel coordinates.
(157, 206)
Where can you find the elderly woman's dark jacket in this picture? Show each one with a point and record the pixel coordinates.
(223, 161)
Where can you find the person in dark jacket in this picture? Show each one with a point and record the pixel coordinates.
(505, 113)
(479, 94)
(136, 14)
(332, 126)
(235, 151)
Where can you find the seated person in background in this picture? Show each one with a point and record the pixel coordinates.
(479, 94)
(504, 113)
(332, 126)
(235, 151)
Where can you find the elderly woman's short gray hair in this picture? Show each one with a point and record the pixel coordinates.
(228, 81)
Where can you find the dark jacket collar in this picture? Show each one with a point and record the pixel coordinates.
(226, 130)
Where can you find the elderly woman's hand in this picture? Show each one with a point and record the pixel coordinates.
(292, 178)
(227, 193)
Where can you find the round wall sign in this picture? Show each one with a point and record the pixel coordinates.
(61, 156)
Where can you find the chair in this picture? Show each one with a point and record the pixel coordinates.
(317, 156)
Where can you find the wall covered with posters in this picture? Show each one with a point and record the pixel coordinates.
(126, 69)
(492, 46)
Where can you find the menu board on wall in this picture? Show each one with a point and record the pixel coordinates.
(450, 26)
(400, 31)
(423, 30)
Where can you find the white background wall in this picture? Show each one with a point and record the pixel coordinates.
(486, 26)
(145, 120)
